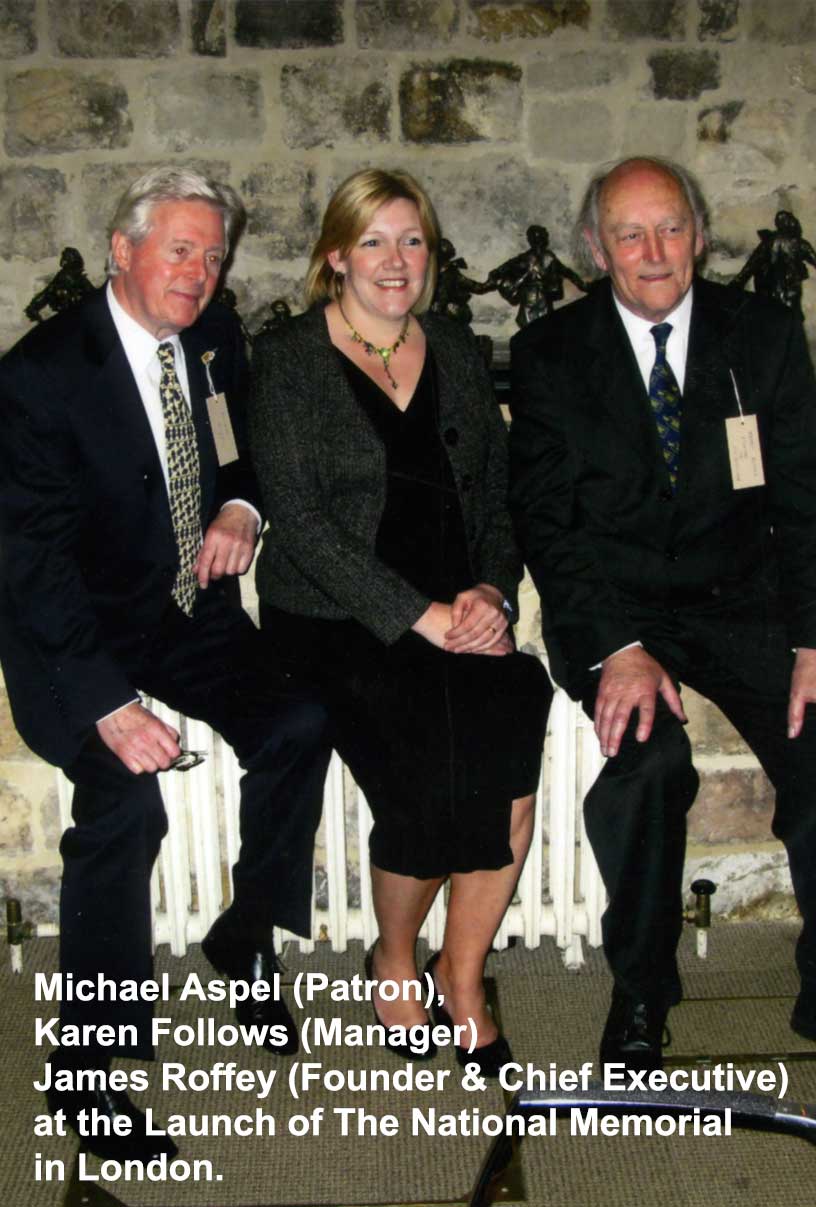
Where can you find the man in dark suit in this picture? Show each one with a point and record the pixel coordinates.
(127, 508)
(661, 556)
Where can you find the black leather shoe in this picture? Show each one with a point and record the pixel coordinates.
(803, 1018)
(136, 1146)
(404, 1051)
(634, 1033)
(489, 1057)
(230, 953)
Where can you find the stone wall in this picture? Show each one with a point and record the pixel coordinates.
(502, 108)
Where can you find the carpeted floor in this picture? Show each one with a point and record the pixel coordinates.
(736, 1008)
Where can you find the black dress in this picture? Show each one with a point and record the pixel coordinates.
(440, 743)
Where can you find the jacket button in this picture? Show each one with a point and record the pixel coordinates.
(467, 482)
(451, 436)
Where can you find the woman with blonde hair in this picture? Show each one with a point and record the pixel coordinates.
(388, 576)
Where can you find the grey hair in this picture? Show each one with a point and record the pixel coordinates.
(134, 211)
(589, 214)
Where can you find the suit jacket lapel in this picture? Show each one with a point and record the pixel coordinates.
(112, 391)
(615, 382)
(195, 344)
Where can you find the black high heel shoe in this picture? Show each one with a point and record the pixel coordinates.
(404, 1051)
(490, 1057)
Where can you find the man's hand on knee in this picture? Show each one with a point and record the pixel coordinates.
(802, 690)
(139, 739)
(631, 679)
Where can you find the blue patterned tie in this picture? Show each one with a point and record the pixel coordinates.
(183, 477)
(666, 400)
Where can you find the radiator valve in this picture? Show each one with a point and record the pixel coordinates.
(700, 913)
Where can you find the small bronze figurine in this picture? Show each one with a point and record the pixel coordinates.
(453, 289)
(67, 287)
(534, 279)
(777, 263)
(279, 312)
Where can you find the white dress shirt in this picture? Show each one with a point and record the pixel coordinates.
(640, 335)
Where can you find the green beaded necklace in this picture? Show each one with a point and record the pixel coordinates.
(370, 349)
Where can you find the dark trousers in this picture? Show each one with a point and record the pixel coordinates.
(635, 812)
(213, 667)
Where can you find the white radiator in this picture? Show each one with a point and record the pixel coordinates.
(560, 892)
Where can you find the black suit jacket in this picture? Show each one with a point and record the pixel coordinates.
(606, 540)
(88, 552)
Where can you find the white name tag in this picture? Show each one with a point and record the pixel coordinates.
(221, 426)
(744, 451)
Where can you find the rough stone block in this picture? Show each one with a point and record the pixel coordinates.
(708, 730)
(209, 109)
(486, 205)
(732, 806)
(12, 323)
(282, 216)
(681, 75)
(575, 132)
(12, 745)
(209, 34)
(802, 72)
(499, 20)
(559, 72)
(37, 890)
(49, 111)
(744, 879)
(756, 131)
(809, 137)
(661, 19)
(282, 24)
(29, 212)
(406, 24)
(15, 826)
(461, 101)
(49, 816)
(788, 22)
(718, 19)
(115, 29)
(714, 125)
(330, 101)
(655, 130)
(17, 33)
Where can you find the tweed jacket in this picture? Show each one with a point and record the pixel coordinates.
(608, 542)
(321, 469)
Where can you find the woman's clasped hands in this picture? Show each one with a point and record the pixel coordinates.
(475, 623)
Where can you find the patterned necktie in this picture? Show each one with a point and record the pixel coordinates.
(666, 400)
(184, 479)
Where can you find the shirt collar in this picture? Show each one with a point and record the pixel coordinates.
(140, 346)
(639, 329)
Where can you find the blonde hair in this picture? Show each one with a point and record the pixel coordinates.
(350, 211)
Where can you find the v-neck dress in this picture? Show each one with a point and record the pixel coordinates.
(440, 743)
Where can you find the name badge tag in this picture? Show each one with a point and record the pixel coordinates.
(221, 427)
(744, 451)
